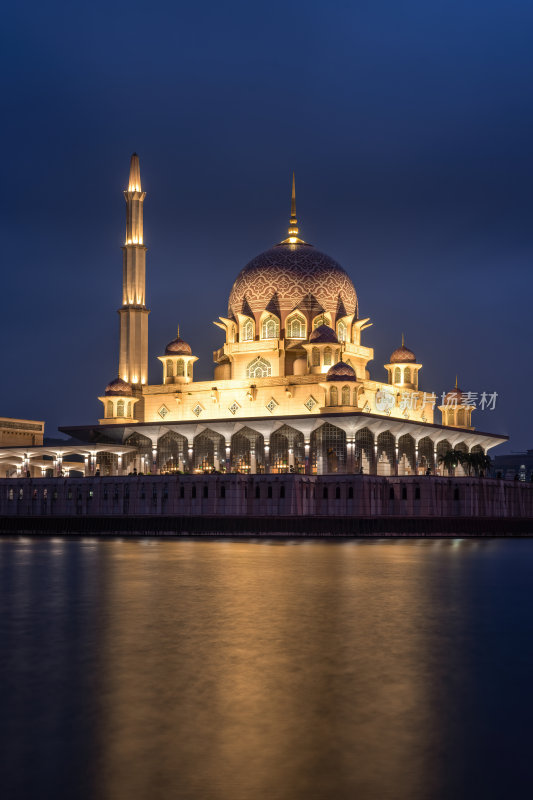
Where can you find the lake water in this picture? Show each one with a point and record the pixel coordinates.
(247, 670)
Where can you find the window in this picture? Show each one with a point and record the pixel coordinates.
(391, 493)
(206, 491)
(258, 368)
(257, 492)
(129, 408)
(328, 353)
(281, 492)
(345, 395)
(269, 492)
(270, 328)
(222, 492)
(325, 493)
(193, 492)
(109, 412)
(170, 369)
(189, 369)
(350, 493)
(120, 408)
(407, 375)
(461, 417)
(296, 328)
(315, 357)
(320, 320)
(180, 368)
(451, 417)
(334, 396)
(341, 331)
(337, 493)
(397, 375)
(248, 331)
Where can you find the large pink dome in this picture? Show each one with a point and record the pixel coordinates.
(289, 273)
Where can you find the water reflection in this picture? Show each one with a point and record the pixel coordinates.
(149, 669)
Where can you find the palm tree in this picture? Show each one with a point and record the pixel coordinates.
(478, 463)
(450, 459)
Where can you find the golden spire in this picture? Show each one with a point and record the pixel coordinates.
(134, 183)
(456, 383)
(293, 229)
(403, 340)
(178, 336)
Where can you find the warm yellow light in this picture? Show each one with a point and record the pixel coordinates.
(124, 377)
(135, 379)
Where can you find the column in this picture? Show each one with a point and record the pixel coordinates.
(307, 455)
(190, 459)
(154, 461)
(396, 452)
(267, 456)
(228, 458)
(253, 460)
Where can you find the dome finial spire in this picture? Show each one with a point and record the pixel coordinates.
(293, 223)
(456, 382)
(403, 340)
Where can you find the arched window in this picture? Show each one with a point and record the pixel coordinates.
(258, 368)
(248, 331)
(189, 369)
(120, 408)
(341, 331)
(333, 396)
(407, 375)
(170, 369)
(315, 357)
(109, 412)
(322, 319)
(180, 368)
(451, 417)
(397, 375)
(345, 396)
(461, 417)
(296, 328)
(328, 354)
(129, 408)
(270, 328)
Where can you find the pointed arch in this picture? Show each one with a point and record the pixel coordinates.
(334, 396)
(270, 328)
(295, 326)
(345, 396)
(247, 330)
(259, 368)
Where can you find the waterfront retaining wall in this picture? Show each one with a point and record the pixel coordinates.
(214, 498)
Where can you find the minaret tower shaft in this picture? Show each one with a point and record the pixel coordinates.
(133, 361)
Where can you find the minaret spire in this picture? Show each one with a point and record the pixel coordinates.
(403, 340)
(133, 364)
(134, 183)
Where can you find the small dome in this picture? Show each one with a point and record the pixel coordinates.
(118, 387)
(455, 394)
(177, 347)
(341, 371)
(402, 355)
(323, 335)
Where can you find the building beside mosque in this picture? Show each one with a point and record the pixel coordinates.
(291, 390)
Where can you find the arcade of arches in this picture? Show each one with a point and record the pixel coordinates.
(326, 450)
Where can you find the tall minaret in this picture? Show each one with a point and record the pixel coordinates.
(133, 363)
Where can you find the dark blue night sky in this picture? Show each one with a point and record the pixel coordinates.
(410, 128)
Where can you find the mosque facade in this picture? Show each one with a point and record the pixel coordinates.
(291, 389)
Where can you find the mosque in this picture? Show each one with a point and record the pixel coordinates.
(291, 390)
